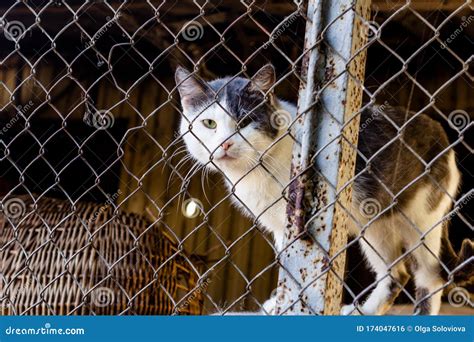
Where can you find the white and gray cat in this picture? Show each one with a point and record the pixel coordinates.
(227, 126)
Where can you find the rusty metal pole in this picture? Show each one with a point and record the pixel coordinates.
(333, 67)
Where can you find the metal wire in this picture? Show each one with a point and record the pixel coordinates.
(103, 71)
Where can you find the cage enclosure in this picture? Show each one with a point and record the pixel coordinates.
(103, 211)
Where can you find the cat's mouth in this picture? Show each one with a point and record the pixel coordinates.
(226, 157)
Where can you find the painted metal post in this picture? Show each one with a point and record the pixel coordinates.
(333, 67)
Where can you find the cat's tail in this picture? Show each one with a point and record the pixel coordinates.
(462, 262)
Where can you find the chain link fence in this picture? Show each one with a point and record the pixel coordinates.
(343, 164)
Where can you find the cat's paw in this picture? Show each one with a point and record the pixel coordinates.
(350, 310)
(269, 306)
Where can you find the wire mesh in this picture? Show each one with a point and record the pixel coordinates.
(103, 210)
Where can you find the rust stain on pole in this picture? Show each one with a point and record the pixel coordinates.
(323, 161)
(352, 104)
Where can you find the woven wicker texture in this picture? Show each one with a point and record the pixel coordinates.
(59, 259)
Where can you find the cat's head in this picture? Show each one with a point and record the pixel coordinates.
(230, 121)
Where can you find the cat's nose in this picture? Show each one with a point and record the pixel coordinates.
(227, 145)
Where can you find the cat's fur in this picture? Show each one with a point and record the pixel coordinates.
(257, 168)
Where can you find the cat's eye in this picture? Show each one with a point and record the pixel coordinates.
(211, 124)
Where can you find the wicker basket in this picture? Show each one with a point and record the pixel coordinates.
(59, 260)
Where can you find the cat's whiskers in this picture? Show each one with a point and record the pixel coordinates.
(187, 179)
(176, 168)
(252, 165)
(177, 151)
(277, 167)
(273, 165)
(182, 162)
(192, 171)
(204, 174)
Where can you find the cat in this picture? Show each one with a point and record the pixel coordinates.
(228, 126)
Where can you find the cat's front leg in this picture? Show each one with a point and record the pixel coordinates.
(278, 238)
(350, 309)
(380, 253)
(269, 307)
(276, 299)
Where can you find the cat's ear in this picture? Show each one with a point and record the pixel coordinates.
(191, 90)
(263, 80)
